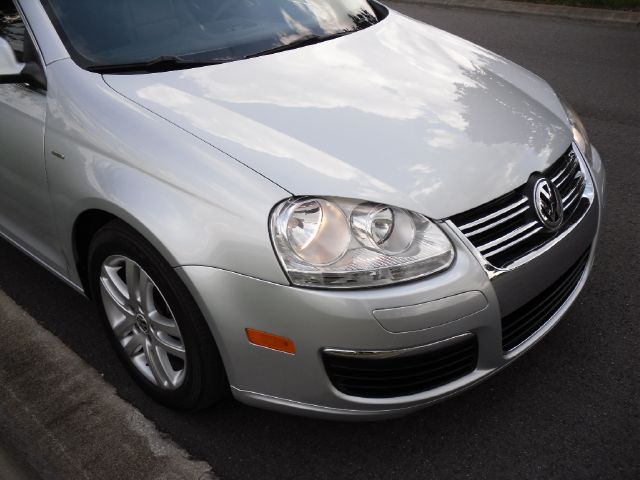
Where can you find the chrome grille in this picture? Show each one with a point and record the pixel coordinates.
(507, 229)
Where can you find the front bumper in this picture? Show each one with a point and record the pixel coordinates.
(317, 320)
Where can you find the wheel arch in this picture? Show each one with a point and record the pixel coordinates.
(89, 221)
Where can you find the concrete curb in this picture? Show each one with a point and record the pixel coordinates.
(67, 422)
(559, 11)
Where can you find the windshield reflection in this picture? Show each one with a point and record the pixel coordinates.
(136, 31)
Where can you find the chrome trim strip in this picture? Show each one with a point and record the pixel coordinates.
(494, 214)
(498, 222)
(512, 234)
(570, 203)
(511, 244)
(401, 352)
(571, 169)
(490, 269)
(560, 173)
(577, 188)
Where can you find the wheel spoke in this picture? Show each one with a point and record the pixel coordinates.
(145, 290)
(135, 342)
(124, 326)
(114, 293)
(155, 365)
(164, 324)
(169, 346)
(132, 274)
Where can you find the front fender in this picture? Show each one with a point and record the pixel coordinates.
(195, 204)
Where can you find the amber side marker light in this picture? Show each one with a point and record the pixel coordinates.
(269, 340)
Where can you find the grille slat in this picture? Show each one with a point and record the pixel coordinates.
(518, 232)
(507, 229)
(525, 321)
(502, 220)
(494, 214)
(541, 311)
(514, 242)
(386, 377)
(418, 384)
(447, 367)
(576, 187)
(566, 174)
(574, 193)
(559, 168)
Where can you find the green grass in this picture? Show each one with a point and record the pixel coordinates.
(616, 4)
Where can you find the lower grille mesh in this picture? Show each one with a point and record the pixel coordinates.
(524, 322)
(363, 376)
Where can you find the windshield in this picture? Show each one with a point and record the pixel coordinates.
(121, 32)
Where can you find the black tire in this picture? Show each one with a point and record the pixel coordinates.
(205, 381)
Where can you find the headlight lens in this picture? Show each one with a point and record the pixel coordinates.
(579, 131)
(343, 243)
(317, 231)
(386, 229)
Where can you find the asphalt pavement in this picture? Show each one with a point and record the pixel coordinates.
(569, 409)
(13, 465)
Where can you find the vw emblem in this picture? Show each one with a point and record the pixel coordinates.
(547, 202)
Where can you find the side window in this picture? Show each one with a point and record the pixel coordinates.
(12, 28)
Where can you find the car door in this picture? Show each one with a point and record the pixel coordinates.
(26, 214)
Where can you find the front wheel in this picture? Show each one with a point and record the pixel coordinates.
(153, 322)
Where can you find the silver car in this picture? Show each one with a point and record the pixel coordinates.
(321, 207)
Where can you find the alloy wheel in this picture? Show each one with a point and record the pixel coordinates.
(142, 322)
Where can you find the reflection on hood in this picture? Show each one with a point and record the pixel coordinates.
(400, 113)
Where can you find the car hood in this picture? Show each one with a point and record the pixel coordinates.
(399, 113)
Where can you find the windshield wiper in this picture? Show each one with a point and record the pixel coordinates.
(300, 42)
(159, 64)
(169, 62)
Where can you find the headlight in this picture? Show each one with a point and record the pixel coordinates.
(579, 131)
(342, 243)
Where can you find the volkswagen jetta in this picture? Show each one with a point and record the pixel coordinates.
(322, 207)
